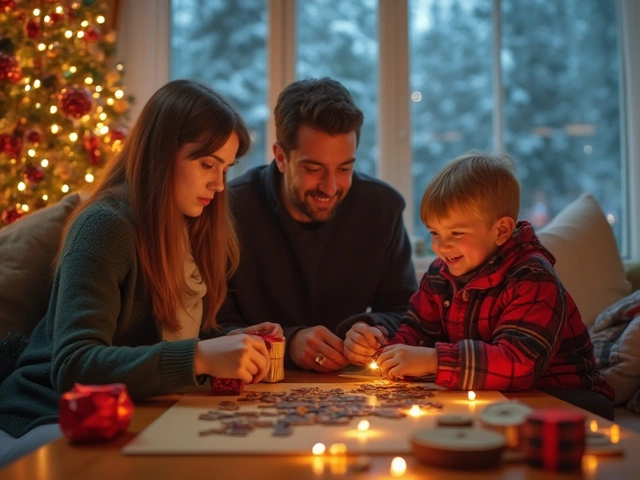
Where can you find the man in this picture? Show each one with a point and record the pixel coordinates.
(322, 247)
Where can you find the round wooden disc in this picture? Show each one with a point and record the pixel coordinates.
(455, 420)
(460, 448)
(504, 414)
(506, 418)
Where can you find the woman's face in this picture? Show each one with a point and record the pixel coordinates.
(199, 178)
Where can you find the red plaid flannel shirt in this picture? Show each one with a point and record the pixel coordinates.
(511, 327)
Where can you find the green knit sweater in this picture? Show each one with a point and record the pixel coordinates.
(98, 329)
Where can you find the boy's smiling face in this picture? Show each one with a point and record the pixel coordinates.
(464, 241)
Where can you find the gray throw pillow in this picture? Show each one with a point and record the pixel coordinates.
(27, 249)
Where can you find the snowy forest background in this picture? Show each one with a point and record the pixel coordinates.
(560, 84)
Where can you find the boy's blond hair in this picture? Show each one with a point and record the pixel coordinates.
(484, 184)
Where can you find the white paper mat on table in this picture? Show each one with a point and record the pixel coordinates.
(177, 430)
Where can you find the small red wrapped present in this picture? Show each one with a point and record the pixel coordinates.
(554, 439)
(91, 413)
(226, 386)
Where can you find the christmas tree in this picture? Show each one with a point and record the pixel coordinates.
(62, 105)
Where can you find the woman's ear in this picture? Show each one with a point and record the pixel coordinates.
(280, 157)
(505, 225)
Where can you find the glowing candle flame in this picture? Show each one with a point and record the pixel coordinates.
(615, 433)
(363, 425)
(471, 395)
(415, 411)
(338, 449)
(593, 426)
(398, 467)
(373, 365)
(318, 449)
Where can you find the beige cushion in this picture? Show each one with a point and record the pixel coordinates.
(27, 249)
(587, 258)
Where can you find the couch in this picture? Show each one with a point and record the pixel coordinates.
(580, 238)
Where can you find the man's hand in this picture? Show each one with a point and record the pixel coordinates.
(397, 361)
(316, 348)
(362, 342)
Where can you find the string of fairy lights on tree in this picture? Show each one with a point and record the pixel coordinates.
(62, 104)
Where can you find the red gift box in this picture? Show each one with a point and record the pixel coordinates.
(226, 386)
(95, 412)
(554, 439)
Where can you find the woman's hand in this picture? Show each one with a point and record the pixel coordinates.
(362, 342)
(241, 356)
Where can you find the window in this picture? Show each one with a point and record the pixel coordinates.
(555, 84)
(339, 40)
(223, 44)
(451, 87)
(551, 99)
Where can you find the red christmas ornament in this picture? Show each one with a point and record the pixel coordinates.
(7, 5)
(95, 158)
(12, 214)
(92, 143)
(10, 144)
(33, 28)
(75, 101)
(56, 17)
(33, 135)
(92, 34)
(9, 68)
(34, 173)
(117, 133)
(91, 413)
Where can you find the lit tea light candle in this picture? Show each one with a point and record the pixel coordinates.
(471, 395)
(318, 449)
(398, 467)
(593, 426)
(614, 433)
(363, 425)
(338, 449)
(415, 411)
(373, 365)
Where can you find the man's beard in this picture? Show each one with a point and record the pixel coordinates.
(311, 211)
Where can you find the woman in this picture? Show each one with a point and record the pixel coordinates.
(142, 272)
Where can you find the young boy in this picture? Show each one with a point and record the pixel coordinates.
(490, 312)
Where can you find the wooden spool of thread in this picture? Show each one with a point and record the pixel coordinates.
(459, 448)
(455, 420)
(506, 418)
(554, 439)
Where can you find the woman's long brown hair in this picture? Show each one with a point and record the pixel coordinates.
(142, 173)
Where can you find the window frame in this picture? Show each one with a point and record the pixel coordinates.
(144, 48)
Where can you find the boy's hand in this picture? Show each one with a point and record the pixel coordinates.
(362, 342)
(399, 361)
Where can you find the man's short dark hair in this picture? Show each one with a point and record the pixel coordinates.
(322, 104)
